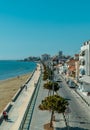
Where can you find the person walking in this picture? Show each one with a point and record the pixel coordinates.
(5, 115)
(26, 87)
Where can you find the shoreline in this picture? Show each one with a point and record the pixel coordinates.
(9, 87)
(15, 76)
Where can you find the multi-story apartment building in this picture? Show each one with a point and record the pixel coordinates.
(45, 57)
(60, 54)
(84, 60)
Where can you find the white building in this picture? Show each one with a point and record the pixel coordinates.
(85, 84)
(63, 68)
(84, 68)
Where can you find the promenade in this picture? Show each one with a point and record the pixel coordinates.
(19, 106)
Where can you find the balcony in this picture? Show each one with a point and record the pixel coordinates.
(82, 62)
(82, 53)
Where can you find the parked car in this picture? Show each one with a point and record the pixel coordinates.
(72, 84)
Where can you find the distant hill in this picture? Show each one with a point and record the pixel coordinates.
(32, 58)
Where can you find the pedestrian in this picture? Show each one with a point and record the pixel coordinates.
(5, 115)
(26, 87)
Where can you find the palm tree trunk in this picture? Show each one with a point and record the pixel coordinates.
(49, 92)
(56, 93)
(65, 119)
(52, 114)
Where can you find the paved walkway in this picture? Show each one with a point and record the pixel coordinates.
(84, 97)
(18, 109)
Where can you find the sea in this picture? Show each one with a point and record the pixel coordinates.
(13, 68)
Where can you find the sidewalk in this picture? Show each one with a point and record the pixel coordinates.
(18, 109)
(83, 96)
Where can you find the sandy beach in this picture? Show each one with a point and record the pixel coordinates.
(9, 87)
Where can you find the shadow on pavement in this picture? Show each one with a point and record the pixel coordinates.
(9, 120)
(70, 128)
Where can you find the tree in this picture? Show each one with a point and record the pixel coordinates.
(46, 73)
(54, 103)
(51, 86)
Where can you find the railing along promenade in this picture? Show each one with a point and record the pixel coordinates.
(22, 87)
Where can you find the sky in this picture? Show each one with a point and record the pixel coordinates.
(35, 27)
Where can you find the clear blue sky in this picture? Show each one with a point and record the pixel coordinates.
(35, 27)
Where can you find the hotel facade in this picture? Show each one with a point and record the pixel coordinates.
(84, 68)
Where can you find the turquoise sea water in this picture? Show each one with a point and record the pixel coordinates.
(9, 69)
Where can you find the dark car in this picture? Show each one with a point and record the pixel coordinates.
(58, 80)
(72, 84)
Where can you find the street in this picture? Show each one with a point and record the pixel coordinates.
(78, 113)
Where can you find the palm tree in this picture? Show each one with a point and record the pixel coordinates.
(46, 73)
(54, 103)
(51, 86)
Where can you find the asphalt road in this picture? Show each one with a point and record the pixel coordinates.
(78, 113)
